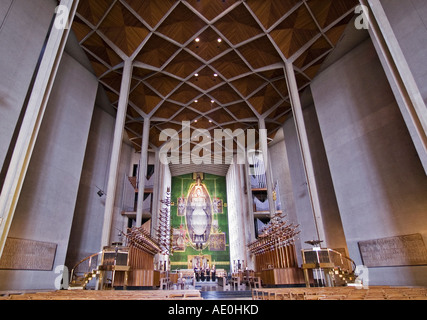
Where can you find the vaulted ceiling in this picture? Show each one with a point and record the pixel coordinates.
(215, 63)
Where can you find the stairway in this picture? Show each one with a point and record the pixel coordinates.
(80, 282)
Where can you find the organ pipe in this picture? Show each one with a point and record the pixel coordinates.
(275, 247)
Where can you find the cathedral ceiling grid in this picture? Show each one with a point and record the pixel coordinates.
(242, 74)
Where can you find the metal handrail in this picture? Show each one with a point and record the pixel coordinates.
(81, 261)
(353, 264)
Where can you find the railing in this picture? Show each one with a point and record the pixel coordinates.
(329, 267)
(342, 261)
(85, 266)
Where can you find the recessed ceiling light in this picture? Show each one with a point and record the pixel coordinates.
(196, 74)
(197, 39)
(215, 75)
(212, 101)
(219, 40)
(196, 101)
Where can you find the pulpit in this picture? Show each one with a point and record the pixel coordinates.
(325, 267)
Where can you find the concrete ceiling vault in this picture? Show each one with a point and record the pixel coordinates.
(230, 78)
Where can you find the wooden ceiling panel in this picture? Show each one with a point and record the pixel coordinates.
(248, 84)
(123, 29)
(142, 73)
(144, 98)
(183, 65)
(185, 94)
(270, 11)
(209, 45)
(272, 74)
(334, 33)
(312, 70)
(169, 125)
(281, 86)
(135, 127)
(98, 67)
(98, 47)
(202, 123)
(328, 11)
(241, 111)
(132, 113)
(265, 99)
(203, 104)
(225, 94)
(279, 111)
(186, 115)
(181, 25)
(112, 80)
(302, 80)
(167, 110)
(260, 53)
(315, 51)
(156, 51)
(220, 116)
(211, 9)
(80, 28)
(154, 137)
(93, 10)
(206, 79)
(112, 96)
(236, 125)
(151, 11)
(238, 25)
(295, 31)
(162, 83)
(231, 65)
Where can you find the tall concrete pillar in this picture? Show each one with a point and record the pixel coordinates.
(269, 179)
(250, 211)
(400, 77)
(305, 149)
(115, 153)
(33, 117)
(156, 192)
(142, 170)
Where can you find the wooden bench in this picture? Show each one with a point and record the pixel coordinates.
(341, 293)
(108, 295)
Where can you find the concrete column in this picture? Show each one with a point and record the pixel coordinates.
(115, 153)
(264, 149)
(250, 212)
(33, 117)
(400, 77)
(156, 191)
(305, 149)
(142, 170)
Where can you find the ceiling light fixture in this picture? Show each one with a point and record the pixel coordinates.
(219, 40)
(197, 39)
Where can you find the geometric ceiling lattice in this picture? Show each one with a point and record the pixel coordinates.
(216, 64)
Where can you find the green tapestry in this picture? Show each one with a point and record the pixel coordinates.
(199, 221)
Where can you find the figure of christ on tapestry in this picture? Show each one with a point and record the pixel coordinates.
(199, 219)
(198, 215)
